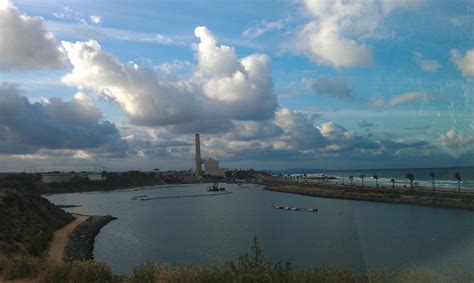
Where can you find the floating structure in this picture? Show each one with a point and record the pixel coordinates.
(145, 197)
(291, 208)
(215, 188)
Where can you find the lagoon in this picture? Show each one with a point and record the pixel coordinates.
(213, 230)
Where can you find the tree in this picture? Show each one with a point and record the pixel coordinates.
(393, 183)
(457, 176)
(411, 177)
(433, 175)
(362, 179)
(351, 178)
(376, 181)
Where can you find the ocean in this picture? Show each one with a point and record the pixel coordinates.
(444, 176)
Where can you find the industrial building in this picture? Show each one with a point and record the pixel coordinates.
(211, 166)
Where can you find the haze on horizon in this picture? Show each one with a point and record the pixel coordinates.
(315, 84)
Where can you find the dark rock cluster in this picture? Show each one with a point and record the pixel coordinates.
(81, 241)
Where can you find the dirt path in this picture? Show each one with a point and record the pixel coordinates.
(57, 245)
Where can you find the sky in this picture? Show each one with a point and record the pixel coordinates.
(269, 84)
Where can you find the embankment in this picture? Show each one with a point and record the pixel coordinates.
(27, 223)
(81, 241)
(420, 197)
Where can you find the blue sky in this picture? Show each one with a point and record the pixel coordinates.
(395, 74)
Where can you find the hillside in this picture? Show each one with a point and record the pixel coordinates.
(27, 223)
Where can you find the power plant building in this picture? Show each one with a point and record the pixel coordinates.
(211, 166)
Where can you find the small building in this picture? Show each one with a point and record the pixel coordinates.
(95, 176)
(211, 167)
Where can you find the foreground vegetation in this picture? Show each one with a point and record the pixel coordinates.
(252, 267)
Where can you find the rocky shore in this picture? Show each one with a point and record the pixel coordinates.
(420, 197)
(81, 242)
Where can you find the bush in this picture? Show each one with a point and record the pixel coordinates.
(20, 266)
(89, 271)
(56, 273)
(143, 273)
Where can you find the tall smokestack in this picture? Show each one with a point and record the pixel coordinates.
(198, 157)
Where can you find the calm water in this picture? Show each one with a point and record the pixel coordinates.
(212, 230)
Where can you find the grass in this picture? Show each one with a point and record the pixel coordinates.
(253, 267)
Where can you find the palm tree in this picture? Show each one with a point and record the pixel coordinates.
(376, 181)
(362, 179)
(457, 176)
(433, 175)
(393, 183)
(351, 178)
(411, 177)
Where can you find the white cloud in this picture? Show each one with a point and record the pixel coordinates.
(222, 89)
(405, 98)
(464, 63)
(336, 34)
(456, 143)
(95, 19)
(263, 27)
(426, 65)
(25, 43)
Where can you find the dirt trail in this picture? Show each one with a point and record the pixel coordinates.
(60, 238)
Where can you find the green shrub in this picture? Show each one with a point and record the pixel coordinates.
(20, 266)
(143, 273)
(89, 271)
(56, 273)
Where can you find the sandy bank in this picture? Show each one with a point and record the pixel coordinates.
(422, 197)
(61, 237)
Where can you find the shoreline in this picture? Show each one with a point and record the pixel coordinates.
(61, 237)
(419, 197)
(80, 243)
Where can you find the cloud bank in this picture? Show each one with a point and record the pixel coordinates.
(25, 42)
(337, 33)
(55, 124)
(222, 89)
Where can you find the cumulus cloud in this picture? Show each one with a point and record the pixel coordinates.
(25, 43)
(337, 32)
(465, 63)
(54, 124)
(405, 98)
(222, 89)
(329, 86)
(456, 143)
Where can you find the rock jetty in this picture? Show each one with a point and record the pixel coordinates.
(81, 242)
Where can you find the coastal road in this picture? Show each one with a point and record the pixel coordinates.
(60, 238)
